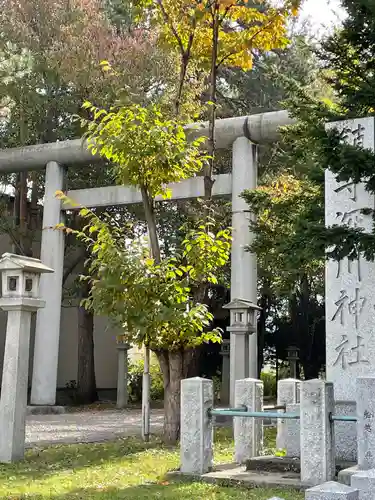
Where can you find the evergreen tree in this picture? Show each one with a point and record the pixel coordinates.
(349, 55)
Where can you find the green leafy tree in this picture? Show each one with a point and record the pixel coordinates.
(211, 35)
(146, 293)
(291, 269)
(348, 58)
(289, 204)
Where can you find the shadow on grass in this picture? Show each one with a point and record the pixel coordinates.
(175, 491)
(39, 463)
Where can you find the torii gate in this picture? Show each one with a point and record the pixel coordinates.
(242, 133)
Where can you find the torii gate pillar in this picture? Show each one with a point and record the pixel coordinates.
(243, 263)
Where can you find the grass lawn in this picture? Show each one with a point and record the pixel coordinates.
(124, 469)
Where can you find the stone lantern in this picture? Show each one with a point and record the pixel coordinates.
(293, 358)
(122, 376)
(20, 298)
(243, 323)
(243, 316)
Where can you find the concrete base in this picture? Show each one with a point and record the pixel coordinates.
(270, 463)
(265, 472)
(45, 410)
(345, 475)
(234, 475)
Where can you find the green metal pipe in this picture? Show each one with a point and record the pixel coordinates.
(240, 408)
(343, 418)
(276, 407)
(254, 414)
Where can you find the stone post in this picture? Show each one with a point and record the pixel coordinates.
(365, 395)
(293, 433)
(47, 331)
(197, 397)
(243, 351)
(225, 372)
(332, 491)
(122, 377)
(317, 437)
(364, 481)
(287, 393)
(248, 432)
(14, 386)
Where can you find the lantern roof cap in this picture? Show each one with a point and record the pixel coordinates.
(11, 261)
(242, 304)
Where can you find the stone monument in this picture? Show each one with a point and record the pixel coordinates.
(350, 292)
(20, 298)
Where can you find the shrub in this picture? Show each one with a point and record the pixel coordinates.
(269, 383)
(135, 374)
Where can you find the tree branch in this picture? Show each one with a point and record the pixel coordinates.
(250, 41)
(174, 31)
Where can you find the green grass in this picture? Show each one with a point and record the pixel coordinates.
(124, 469)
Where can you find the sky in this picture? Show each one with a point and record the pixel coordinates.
(323, 14)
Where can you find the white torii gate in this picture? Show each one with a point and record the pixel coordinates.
(242, 133)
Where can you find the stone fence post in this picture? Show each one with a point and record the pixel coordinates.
(293, 433)
(248, 431)
(288, 392)
(317, 436)
(197, 397)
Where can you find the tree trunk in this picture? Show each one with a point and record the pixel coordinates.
(86, 381)
(208, 181)
(192, 362)
(151, 224)
(310, 370)
(172, 366)
(262, 330)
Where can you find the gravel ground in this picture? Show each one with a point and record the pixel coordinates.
(87, 427)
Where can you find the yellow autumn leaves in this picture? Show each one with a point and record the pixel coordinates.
(245, 26)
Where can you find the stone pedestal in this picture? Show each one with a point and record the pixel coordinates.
(350, 292)
(243, 263)
(13, 400)
(287, 393)
(47, 330)
(197, 397)
(317, 438)
(248, 432)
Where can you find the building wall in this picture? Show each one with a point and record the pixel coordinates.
(104, 344)
(104, 350)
